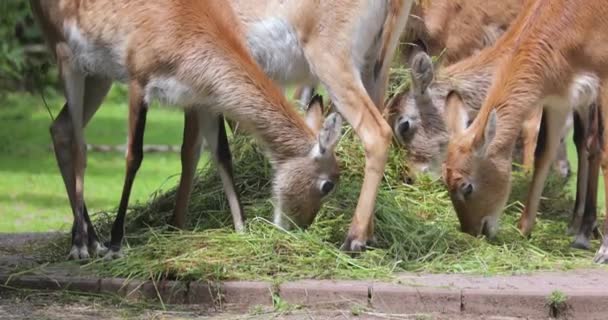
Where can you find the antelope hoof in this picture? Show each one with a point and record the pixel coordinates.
(353, 246)
(602, 254)
(99, 249)
(78, 253)
(596, 232)
(113, 254)
(574, 226)
(581, 242)
(525, 228)
(372, 242)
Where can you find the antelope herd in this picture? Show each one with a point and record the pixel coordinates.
(509, 70)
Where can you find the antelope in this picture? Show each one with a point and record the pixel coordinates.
(196, 59)
(293, 43)
(420, 117)
(437, 105)
(558, 61)
(355, 83)
(456, 29)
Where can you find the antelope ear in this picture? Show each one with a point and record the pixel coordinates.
(457, 117)
(329, 135)
(488, 135)
(422, 72)
(393, 106)
(314, 113)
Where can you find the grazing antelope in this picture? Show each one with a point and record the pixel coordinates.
(182, 52)
(294, 43)
(455, 29)
(423, 116)
(438, 105)
(558, 60)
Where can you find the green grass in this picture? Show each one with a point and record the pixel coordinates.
(32, 194)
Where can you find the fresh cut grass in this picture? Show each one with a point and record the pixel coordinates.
(416, 228)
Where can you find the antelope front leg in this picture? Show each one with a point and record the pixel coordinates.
(582, 240)
(137, 123)
(552, 123)
(582, 174)
(74, 81)
(217, 141)
(375, 135)
(352, 101)
(602, 254)
(62, 134)
(190, 154)
(199, 125)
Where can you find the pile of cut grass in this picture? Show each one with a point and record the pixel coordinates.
(416, 230)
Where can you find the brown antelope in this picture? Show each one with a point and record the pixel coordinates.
(350, 56)
(439, 104)
(196, 58)
(369, 51)
(452, 30)
(456, 29)
(558, 60)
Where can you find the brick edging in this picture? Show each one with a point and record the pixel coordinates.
(380, 296)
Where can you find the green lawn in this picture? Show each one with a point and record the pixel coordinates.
(32, 195)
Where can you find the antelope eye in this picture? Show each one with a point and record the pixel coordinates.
(326, 187)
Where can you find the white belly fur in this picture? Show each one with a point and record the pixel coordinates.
(274, 44)
(365, 44)
(583, 92)
(170, 91)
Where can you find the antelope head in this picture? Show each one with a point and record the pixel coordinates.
(419, 119)
(478, 177)
(302, 183)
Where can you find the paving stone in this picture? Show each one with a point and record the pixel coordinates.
(395, 298)
(203, 293)
(127, 288)
(513, 303)
(244, 295)
(325, 293)
(171, 292)
(588, 304)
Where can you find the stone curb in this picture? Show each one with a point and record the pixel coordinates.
(328, 294)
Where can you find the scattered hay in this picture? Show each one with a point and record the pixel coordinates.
(416, 228)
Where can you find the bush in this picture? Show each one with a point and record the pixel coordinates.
(24, 60)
